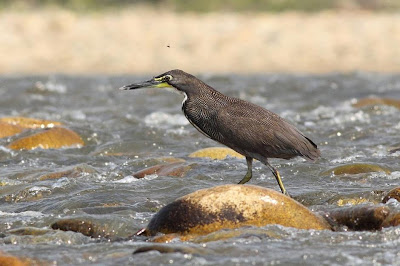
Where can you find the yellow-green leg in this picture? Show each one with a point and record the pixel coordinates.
(248, 175)
(278, 179)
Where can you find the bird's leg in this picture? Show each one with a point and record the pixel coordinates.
(278, 179)
(248, 175)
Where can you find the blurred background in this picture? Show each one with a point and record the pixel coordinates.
(209, 36)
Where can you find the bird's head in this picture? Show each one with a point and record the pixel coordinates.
(176, 79)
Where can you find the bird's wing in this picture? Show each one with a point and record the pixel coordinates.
(260, 131)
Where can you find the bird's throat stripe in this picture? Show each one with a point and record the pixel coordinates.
(162, 85)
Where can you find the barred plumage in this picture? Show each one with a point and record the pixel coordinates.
(247, 128)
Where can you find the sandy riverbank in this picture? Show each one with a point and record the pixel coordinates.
(145, 41)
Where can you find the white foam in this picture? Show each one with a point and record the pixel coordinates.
(51, 86)
(126, 180)
(162, 119)
(26, 214)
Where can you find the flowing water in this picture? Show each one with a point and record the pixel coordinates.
(126, 131)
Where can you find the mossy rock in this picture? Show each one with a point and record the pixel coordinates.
(178, 169)
(54, 138)
(232, 206)
(355, 168)
(27, 122)
(218, 153)
(377, 101)
(7, 130)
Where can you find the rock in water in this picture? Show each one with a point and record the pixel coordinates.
(232, 206)
(54, 138)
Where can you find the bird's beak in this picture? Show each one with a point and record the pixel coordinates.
(153, 83)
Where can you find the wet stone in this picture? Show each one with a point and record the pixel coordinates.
(393, 194)
(27, 122)
(7, 260)
(355, 168)
(7, 130)
(170, 249)
(218, 153)
(374, 197)
(85, 227)
(27, 194)
(393, 219)
(361, 217)
(54, 138)
(178, 169)
(31, 231)
(74, 172)
(232, 206)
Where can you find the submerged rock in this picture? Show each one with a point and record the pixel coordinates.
(54, 138)
(85, 227)
(361, 217)
(356, 198)
(232, 206)
(171, 249)
(27, 194)
(392, 194)
(218, 153)
(27, 122)
(70, 173)
(377, 101)
(355, 168)
(178, 169)
(31, 231)
(394, 148)
(7, 130)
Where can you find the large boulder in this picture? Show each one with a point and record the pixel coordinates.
(232, 206)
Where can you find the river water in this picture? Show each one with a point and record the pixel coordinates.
(126, 131)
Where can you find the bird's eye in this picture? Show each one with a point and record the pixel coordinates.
(167, 77)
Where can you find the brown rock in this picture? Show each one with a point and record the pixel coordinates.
(393, 219)
(232, 206)
(173, 169)
(393, 194)
(85, 227)
(54, 138)
(9, 260)
(27, 122)
(7, 130)
(171, 249)
(377, 101)
(355, 168)
(27, 194)
(218, 153)
(32, 231)
(70, 173)
(12, 261)
(361, 217)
